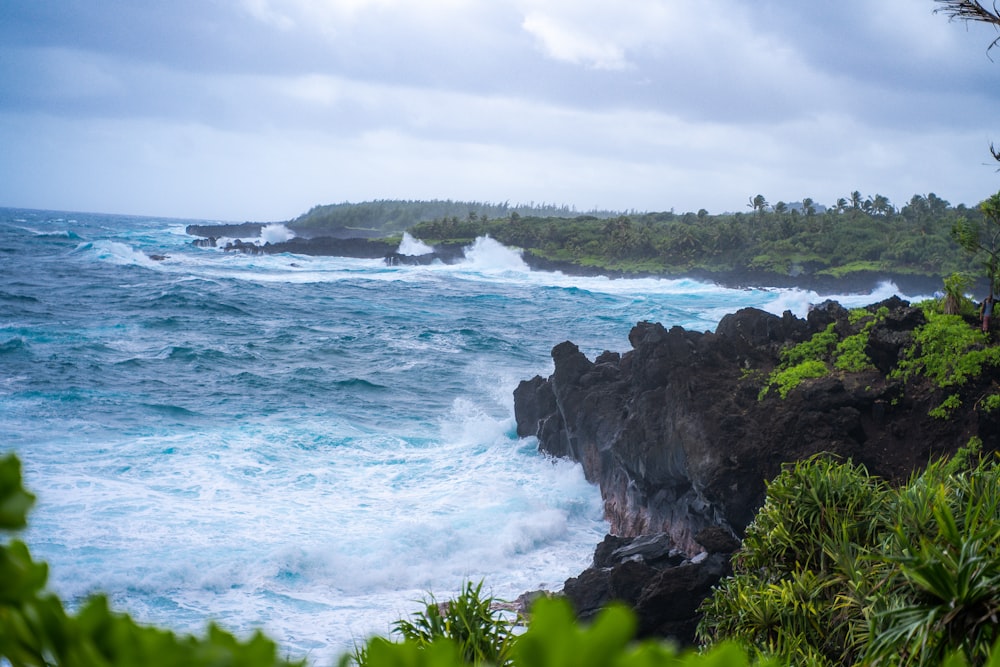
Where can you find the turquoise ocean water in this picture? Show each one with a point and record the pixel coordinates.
(304, 445)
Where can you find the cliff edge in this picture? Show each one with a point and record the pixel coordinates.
(682, 432)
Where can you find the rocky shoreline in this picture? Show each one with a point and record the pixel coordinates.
(349, 243)
(676, 437)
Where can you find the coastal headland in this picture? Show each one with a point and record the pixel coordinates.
(683, 431)
(347, 243)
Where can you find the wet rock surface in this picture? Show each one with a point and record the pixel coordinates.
(676, 435)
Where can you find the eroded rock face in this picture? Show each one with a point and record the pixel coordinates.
(675, 434)
(676, 437)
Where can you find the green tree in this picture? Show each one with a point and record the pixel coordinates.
(758, 204)
(981, 238)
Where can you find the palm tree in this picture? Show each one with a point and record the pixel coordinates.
(971, 10)
(758, 204)
(808, 206)
(936, 204)
(881, 205)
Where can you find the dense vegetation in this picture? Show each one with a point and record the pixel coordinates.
(855, 234)
(395, 215)
(840, 569)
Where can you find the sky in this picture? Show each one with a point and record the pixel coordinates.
(260, 109)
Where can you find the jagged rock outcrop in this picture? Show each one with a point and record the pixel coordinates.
(233, 230)
(675, 434)
(445, 253)
(325, 246)
(654, 577)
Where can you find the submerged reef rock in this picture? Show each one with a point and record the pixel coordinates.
(683, 432)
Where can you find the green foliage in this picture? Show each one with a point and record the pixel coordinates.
(812, 358)
(787, 379)
(947, 350)
(843, 241)
(802, 362)
(947, 407)
(14, 500)
(395, 215)
(851, 353)
(990, 403)
(816, 348)
(980, 238)
(480, 632)
(857, 266)
(954, 301)
(840, 569)
(789, 596)
(555, 639)
(946, 582)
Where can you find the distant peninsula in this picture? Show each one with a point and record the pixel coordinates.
(848, 247)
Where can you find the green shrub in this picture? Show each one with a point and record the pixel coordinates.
(851, 353)
(801, 362)
(946, 350)
(947, 407)
(481, 633)
(954, 301)
(789, 595)
(839, 569)
(817, 347)
(787, 379)
(990, 403)
(945, 584)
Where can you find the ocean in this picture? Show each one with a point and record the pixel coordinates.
(309, 446)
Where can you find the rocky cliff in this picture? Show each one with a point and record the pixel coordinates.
(681, 442)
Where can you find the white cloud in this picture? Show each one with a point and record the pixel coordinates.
(564, 42)
(291, 103)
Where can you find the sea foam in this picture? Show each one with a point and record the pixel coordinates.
(413, 246)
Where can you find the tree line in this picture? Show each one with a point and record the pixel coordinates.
(855, 234)
(396, 215)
